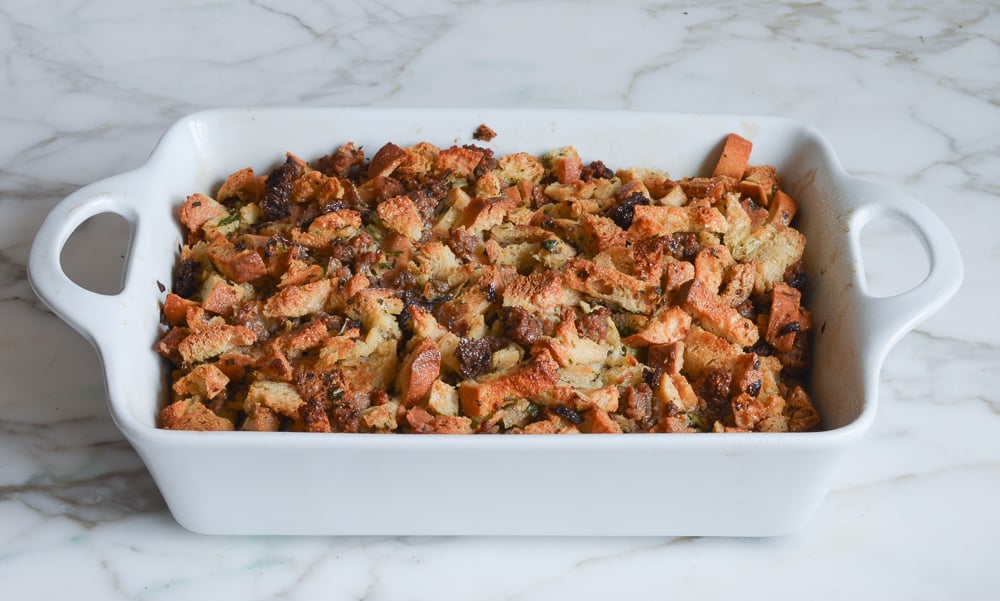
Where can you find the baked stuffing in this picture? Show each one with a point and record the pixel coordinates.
(450, 290)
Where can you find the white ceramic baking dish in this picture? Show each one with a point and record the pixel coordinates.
(658, 484)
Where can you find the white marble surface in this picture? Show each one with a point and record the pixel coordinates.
(908, 95)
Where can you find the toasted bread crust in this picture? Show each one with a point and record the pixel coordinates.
(734, 159)
(451, 291)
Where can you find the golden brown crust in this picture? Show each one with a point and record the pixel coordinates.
(787, 319)
(735, 156)
(175, 309)
(220, 297)
(343, 223)
(535, 377)
(719, 318)
(297, 301)
(458, 162)
(655, 221)
(599, 422)
(280, 397)
(447, 290)
(386, 160)
(485, 213)
(191, 414)
(566, 165)
(261, 419)
(801, 413)
(600, 233)
(538, 293)
(705, 352)
(401, 216)
(610, 285)
(205, 380)
(238, 265)
(760, 183)
(664, 327)
(316, 187)
(783, 209)
(243, 185)
(198, 210)
(214, 340)
(710, 266)
(418, 372)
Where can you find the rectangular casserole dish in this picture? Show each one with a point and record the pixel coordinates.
(755, 484)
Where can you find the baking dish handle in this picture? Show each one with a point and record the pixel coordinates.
(893, 316)
(82, 309)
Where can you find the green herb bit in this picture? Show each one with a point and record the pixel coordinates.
(693, 419)
(232, 217)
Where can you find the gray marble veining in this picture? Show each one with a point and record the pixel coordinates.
(907, 93)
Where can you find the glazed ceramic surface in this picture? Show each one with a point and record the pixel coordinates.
(298, 483)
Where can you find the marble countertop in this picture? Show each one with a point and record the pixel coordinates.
(908, 95)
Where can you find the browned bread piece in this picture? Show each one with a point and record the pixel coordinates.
(735, 156)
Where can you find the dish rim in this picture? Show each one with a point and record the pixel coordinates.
(874, 348)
